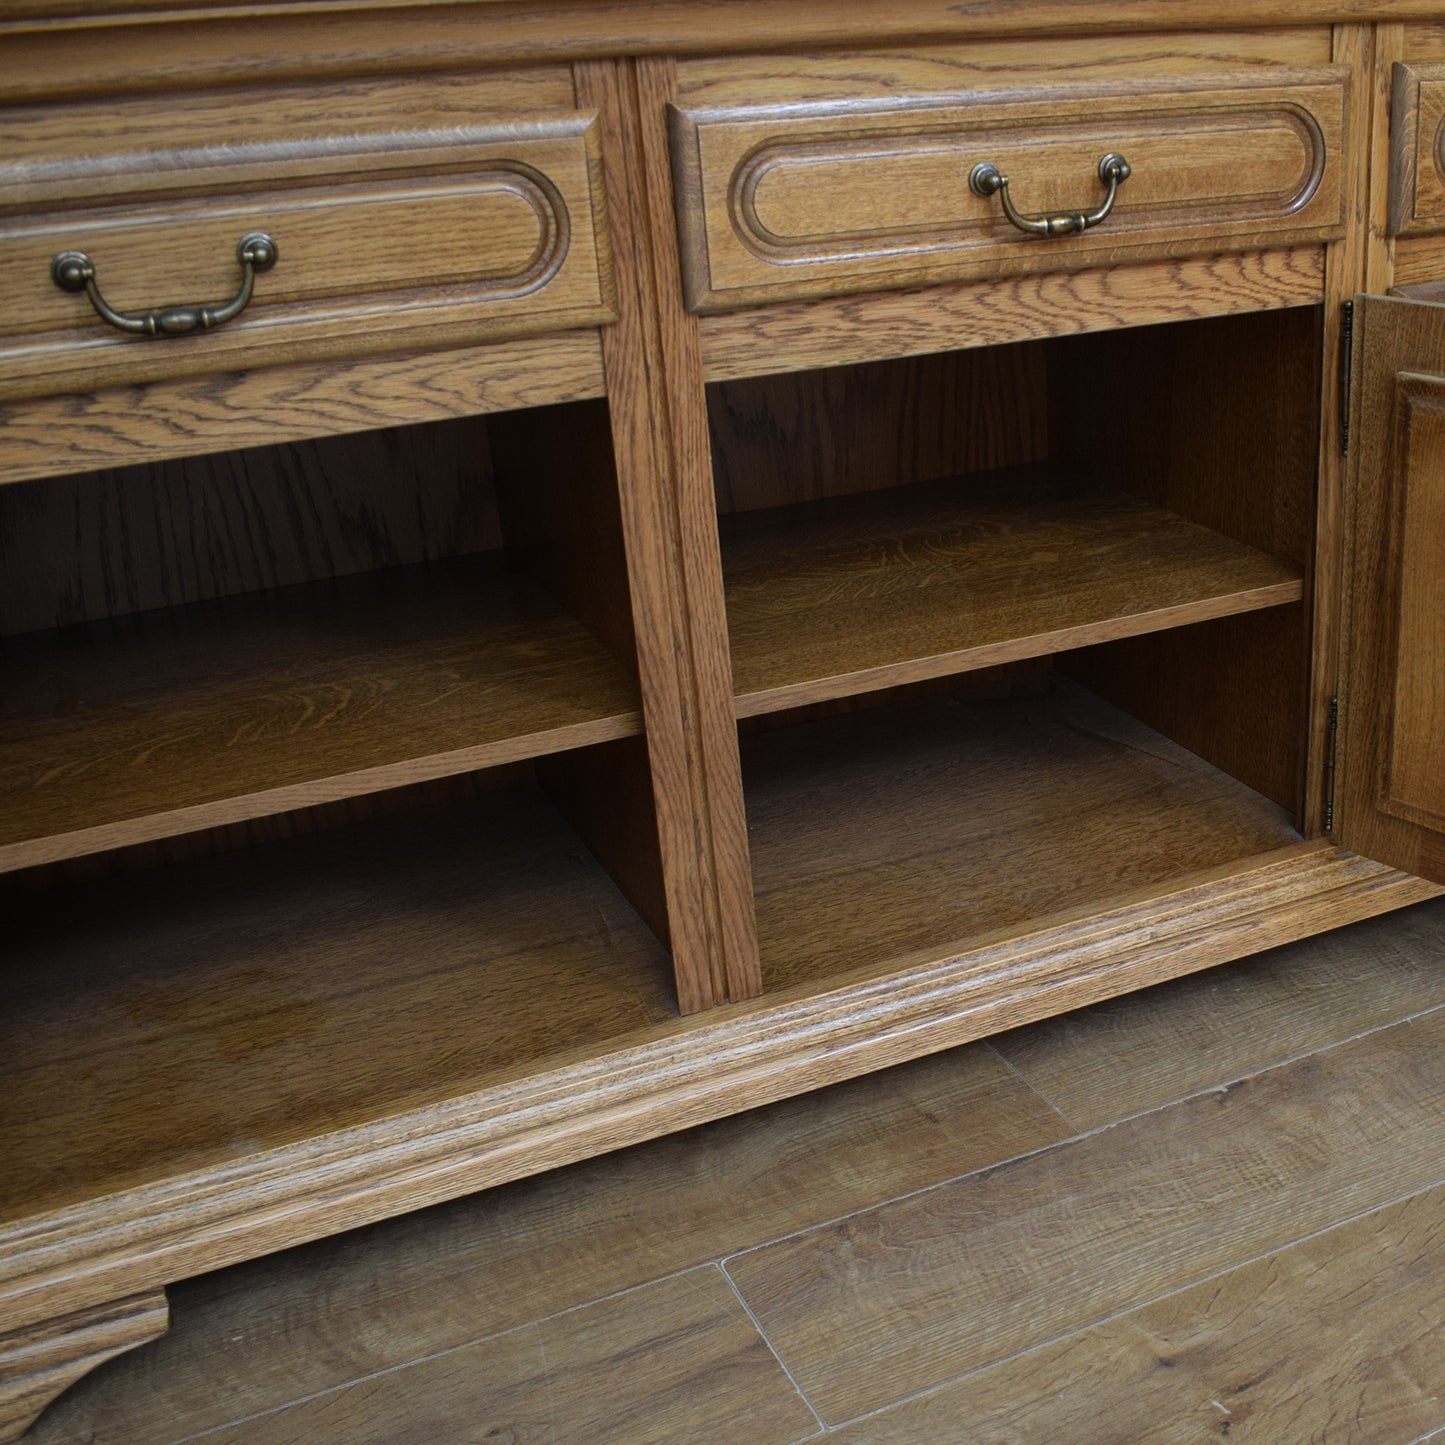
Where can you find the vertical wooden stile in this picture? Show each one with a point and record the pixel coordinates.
(653, 366)
(1347, 270)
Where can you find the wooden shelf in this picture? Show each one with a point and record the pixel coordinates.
(165, 722)
(827, 599)
(183, 1019)
(907, 833)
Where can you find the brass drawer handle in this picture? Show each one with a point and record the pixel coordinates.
(985, 179)
(74, 271)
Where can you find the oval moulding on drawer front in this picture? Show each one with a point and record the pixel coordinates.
(778, 202)
(471, 233)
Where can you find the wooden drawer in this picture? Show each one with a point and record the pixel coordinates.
(780, 201)
(436, 212)
(1417, 150)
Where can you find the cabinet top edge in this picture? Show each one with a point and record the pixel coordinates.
(643, 26)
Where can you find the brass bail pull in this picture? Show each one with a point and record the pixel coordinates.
(985, 179)
(74, 271)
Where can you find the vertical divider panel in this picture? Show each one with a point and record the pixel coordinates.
(653, 367)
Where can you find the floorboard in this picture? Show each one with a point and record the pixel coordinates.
(970, 1273)
(1227, 1360)
(1135, 1053)
(934, 1253)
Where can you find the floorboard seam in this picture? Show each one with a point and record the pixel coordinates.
(1145, 1304)
(782, 1363)
(1219, 1088)
(441, 1354)
(1029, 1084)
(1253, 1074)
(722, 1263)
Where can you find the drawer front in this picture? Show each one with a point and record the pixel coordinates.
(1417, 150)
(779, 202)
(386, 238)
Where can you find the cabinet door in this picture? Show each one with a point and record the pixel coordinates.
(1390, 798)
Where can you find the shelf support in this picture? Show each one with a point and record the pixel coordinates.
(40, 1360)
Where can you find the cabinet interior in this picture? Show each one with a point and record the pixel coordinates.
(325, 790)
(1015, 631)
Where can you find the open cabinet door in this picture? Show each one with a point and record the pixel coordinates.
(1390, 769)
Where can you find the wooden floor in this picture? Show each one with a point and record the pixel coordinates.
(1214, 1211)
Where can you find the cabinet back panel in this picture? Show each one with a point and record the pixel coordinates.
(104, 544)
(1217, 420)
(800, 436)
(1234, 691)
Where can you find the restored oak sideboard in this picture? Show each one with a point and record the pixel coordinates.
(572, 567)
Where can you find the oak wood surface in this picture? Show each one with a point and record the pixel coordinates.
(399, 219)
(164, 534)
(1218, 421)
(40, 1361)
(51, 436)
(831, 598)
(869, 831)
(1333, 1338)
(1233, 690)
(1128, 1055)
(286, 1327)
(173, 721)
(971, 1273)
(62, 55)
(1357, 263)
(239, 1004)
(677, 1359)
(669, 1076)
(801, 436)
(1392, 704)
(784, 200)
(654, 382)
(947, 64)
(832, 332)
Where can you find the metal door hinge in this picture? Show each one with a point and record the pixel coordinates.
(1330, 746)
(1347, 354)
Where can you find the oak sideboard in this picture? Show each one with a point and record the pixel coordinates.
(572, 567)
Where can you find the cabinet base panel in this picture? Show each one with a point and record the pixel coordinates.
(41, 1360)
(679, 1073)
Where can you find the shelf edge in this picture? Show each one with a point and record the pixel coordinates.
(691, 1071)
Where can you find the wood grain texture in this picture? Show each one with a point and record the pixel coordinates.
(1360, 262)
(234, 1006)
(831, 332)
(1417, 165)
(1217, 420)
(1233, 1359)
(945, 65)
(867, 830)
(55, 435)
(802, 436)
(301, 41)
(1123, 1057)
(782, 200)
(451, 228)
(40, 1361)
(164, 534)
(1392, 704)
(1233, 690)
(973, 1272)
(654, 382)
(175, 721)
(873, 590)
(285, 1327)
(557, 499)
(1222, 427)
(677, 1359)
(674, 1075)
